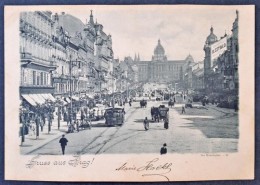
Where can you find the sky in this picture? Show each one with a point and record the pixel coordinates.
(182, 29)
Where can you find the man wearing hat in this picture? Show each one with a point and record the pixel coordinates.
(163, 149)
(63, 143)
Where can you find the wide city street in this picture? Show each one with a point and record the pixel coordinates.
(199, 130)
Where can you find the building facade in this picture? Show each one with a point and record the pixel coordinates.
(37, 63)
(221, 72)
(198, 76)
(60, 54)
(160, 69)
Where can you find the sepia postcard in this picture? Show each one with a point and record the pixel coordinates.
(129, 93)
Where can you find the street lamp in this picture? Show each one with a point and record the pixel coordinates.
(24, 112)
(71, 65)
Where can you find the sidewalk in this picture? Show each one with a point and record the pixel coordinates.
(223, 110)
(31, 143)
(197, 105)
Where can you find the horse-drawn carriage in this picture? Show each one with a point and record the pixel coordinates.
(114, 116)
(171, 103)
(160, 113)
(143, 103)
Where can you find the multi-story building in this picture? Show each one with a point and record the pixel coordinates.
(70, 36)
(198, 76)
(60, 54)
(103, 56)
(221, 61)
(187, 72)
(160, 69)
(37, 63)
(61, 74)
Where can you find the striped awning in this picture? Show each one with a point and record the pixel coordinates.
(29, 99)
(40, 99)
(67, 100)
(75, 98)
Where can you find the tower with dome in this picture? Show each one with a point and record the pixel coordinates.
(162, 70)
(211, 39)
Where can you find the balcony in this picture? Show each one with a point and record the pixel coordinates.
(26, 58)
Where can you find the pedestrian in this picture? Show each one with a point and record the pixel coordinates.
(163, 149)
(166, 123)
(146, 124)
(183, 110)
(63, 143)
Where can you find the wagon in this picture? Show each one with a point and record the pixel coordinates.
(171, 103)
(143, 103)
(160, 113)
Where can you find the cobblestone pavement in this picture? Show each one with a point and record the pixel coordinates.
(199, 130)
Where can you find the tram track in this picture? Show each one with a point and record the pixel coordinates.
(124, 135)
(112, 136)
(83, 150)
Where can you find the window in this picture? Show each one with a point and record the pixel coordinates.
(41, 78)
(38, 78)
(34, 77)
(45, 78)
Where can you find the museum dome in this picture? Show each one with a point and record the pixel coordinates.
(159, 50)
(212, 37)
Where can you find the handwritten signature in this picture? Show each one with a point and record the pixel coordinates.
(151, 168)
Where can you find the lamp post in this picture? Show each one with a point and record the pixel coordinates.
(71, 65)
(59, 103)
(24, 112)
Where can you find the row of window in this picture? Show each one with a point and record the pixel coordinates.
(38, 21)
(65, 87)
(36, 49)
(34, 77)
(161, 68)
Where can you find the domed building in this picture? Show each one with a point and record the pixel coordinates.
(211, 38)
(221, 61)
(159, 53)
(160, 69)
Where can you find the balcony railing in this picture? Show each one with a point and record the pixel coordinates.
(26, 56)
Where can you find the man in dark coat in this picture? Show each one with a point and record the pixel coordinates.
(63, 143)
(163, 149)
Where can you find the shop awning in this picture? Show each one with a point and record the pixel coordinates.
(75, 98)
(61, 100)
(29, 99)
(40, 96)
(67, 100)
(35, 99)
(45, 96)
(50, 97)
(90, 96)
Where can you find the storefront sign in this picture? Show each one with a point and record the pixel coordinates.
(218, 48)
